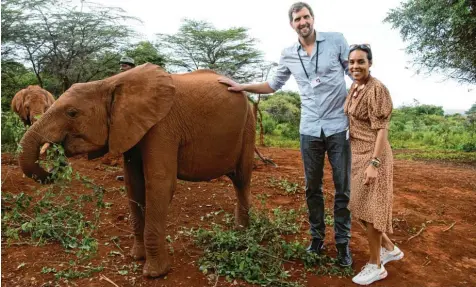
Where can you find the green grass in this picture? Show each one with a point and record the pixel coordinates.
(279, 141)
(437, 155)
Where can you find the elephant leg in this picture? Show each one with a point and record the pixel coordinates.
(160, 170)
(135, 185)
(241, 179)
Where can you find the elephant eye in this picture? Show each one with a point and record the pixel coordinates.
(72, 113)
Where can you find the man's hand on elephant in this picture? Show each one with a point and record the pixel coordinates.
(233, 86)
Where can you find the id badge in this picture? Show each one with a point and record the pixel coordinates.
(315, 82)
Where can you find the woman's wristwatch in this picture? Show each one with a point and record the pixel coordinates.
(375, 162)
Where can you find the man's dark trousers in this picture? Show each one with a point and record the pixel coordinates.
(313, 151)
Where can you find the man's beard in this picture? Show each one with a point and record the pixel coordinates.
(305, 35)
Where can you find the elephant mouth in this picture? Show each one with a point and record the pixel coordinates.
(75, 144)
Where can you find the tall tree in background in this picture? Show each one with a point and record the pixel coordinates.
(198, 45)
(70, 43)
(440, 34)
(144, 52)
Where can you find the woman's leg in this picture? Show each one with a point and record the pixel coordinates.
(375, 241)
(387, 243)
(373, 270)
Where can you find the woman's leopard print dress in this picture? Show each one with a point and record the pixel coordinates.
(369, 108)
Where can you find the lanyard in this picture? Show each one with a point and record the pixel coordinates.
(317, 58)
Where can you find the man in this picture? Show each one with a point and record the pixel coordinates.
(126, 63)
(318, 62)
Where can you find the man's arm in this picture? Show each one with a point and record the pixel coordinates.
(344, 55)
(259, 88)
(280, 77)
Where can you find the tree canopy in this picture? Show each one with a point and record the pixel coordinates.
(440, 35)
(70, 43)
(144, 52)
(199, 45)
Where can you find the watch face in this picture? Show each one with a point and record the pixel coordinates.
(375, 163)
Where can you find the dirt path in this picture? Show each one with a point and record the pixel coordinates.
(441, 199)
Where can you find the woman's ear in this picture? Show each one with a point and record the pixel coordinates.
(139, 99)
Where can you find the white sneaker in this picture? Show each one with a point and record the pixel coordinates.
(369, 274)
(387, 255)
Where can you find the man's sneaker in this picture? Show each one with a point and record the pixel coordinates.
(369, 274)
(344, 258)
(316, 246)
(387, 255)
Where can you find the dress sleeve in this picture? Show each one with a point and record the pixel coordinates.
(380, 108)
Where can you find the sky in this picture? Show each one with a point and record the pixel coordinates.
(267, 20)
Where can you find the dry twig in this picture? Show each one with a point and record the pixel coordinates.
(423, 226)
(102, 277)
(451, 226)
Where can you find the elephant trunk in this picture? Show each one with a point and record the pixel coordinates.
(30, 144)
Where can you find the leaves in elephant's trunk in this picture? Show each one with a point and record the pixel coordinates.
(56, 163)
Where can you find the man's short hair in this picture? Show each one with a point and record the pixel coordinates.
(296, 7)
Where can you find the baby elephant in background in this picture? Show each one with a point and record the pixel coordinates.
(31, 103)
(186, 126)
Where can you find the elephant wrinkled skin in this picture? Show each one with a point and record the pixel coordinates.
(30, 103)
(185, 126)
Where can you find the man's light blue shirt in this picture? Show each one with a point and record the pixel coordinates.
(322, 107)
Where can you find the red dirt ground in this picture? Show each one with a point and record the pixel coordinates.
(432, 193)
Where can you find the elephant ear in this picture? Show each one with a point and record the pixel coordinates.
(17, 104)
(140, 98)
(49, 99)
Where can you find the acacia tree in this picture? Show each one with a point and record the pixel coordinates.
(71, 43)
(144, 52)
(198, 45)
(440, 34)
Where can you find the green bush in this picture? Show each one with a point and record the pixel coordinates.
(413, 126)
(12, 131)
(269, 124)
(469, 147)
(257, 254)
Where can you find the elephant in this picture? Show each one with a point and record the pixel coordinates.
(31, 102)
(166, 126)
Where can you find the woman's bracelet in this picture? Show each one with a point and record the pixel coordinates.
(375, 162)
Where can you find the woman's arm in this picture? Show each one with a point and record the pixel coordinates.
(382, 135)
(371, 171)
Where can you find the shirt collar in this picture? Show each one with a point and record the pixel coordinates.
(320, 37)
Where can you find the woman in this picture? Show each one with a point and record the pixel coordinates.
(369, 107)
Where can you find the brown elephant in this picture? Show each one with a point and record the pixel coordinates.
(185, 126)
(31, 103)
